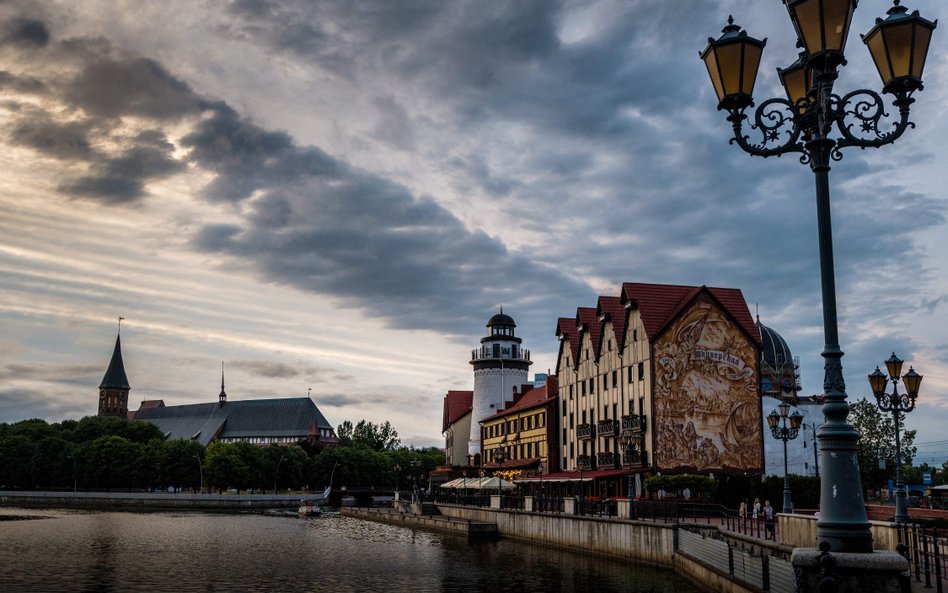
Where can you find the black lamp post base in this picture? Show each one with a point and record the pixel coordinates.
(879, 572)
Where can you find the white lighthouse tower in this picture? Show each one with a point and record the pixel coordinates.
(500, 367)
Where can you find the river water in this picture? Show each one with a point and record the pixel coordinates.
(64, 551)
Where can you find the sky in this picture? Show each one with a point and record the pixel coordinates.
(333, 197)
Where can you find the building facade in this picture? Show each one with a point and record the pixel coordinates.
(500, 368)
(521, 440)
(661, 378)
(456, 426)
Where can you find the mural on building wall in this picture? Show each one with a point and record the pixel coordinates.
(707, 408)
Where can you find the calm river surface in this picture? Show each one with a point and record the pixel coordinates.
(66, 551)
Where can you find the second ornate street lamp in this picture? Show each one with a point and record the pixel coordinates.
(817, 124)
(415, 464)
(500, 457)
(897, 403)
(628, 448)
(785, 433)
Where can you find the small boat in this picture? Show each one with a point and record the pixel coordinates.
(312, 506)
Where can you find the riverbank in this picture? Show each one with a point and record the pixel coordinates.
(430, 522)
(148, 500)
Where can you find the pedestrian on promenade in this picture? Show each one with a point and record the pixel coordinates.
(769, 520)
(756, 511)
(742, 511)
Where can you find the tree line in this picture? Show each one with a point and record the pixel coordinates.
(101, 453)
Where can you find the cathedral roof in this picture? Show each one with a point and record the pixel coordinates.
(115, 377)
(278, 417)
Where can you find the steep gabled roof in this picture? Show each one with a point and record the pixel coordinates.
(587, 318)
(660, 303)
(610, 309)
(115, 377)
(456, 405)
(530, 398)
(566, 330)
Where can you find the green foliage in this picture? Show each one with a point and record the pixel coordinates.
(698, 485)
(877, 442)
(378, 437)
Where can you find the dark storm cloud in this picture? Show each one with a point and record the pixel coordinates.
(339, 400)
(71, 374)
(282, 370)
(59, 140)
(113, 88)
(21, 84)
(24, 32)
(122, 178)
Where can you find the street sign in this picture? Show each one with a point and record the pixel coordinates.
(926, 478)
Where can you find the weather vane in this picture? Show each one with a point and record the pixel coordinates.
(121, 319)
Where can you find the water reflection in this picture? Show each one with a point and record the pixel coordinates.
(117, 552)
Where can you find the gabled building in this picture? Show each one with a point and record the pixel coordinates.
(456, 426)
(661, 378)
(525, 434)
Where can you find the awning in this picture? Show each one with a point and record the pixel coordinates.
(491, 483)
(584, 476)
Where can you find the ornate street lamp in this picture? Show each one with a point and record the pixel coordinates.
(897, 403)
(785, 433)
(415, 463)
(628, 448)
(817, 124)
(500, 457)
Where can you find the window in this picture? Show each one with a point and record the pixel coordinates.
(605, 382)
(615, 378)
(630, 374)
(564, 434)
(570, 421)
(609, 343)
(496, 350)
(605, 412)
(571, 392)
(584, 388)
(635, 335)
(641, 371)
(592, 385)
(584, 417)
(564, 407)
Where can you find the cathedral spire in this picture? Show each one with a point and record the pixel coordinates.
(222, 397)
(113, 391)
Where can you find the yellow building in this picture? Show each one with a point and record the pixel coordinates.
(516, 442)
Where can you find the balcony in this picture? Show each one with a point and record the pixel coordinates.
(635, 459)
(584, 462)
(606, 460)
(584, 432)
(488, 353)
(607, 428)
(634, 424)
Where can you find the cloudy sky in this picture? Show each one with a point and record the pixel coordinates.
(337, 195)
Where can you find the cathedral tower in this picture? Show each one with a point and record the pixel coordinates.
(113, 392)
(500, 366)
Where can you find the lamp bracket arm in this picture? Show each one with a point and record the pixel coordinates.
(862, 119)
(773, 118)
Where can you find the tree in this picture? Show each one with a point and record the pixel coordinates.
(877, 442)
(344, 433)
(223, 466)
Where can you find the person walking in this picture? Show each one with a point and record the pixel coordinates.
(755, 513)
(769, 520)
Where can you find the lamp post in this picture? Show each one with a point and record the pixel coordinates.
(628, 447)
(276, 474)
(897, 403)
(785, 433)
(415, 464)
(804, 123)
(398, 468)
(500, 456)
(540, 470)
(200, 470)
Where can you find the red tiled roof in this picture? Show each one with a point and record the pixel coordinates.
(587, 317)
(612, 309)
(456, 405)
(659, 303)
(537, 396)
(566, 328)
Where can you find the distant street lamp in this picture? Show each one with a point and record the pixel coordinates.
(276, 474)
(803, 124)
(201, 471)
(500, 456)
(628, 448)
(785, 433)
(398, 468)
(897, 403)
(415, 464)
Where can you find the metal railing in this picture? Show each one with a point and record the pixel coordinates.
(925, 550)
(585, 431)
(633, 423)
(505, 354)
(606, 428)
